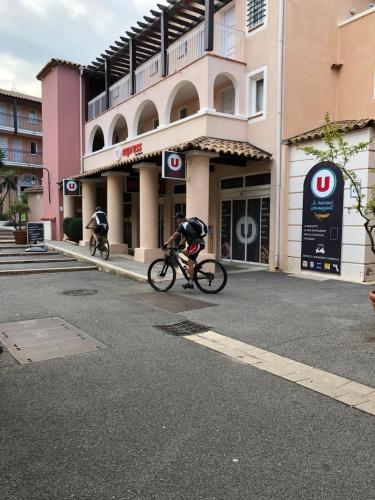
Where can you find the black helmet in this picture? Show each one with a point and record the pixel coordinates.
(180, 215)
(98, 209)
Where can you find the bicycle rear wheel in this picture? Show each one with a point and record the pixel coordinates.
(92, 245)
(104, 249)
(210, 276)
(161, 275)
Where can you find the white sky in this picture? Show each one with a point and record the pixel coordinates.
(34, 31)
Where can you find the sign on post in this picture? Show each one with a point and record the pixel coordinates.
(323, 199)
(71, 187)
(173, 165)
(35, 233)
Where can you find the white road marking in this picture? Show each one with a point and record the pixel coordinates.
(339, 388)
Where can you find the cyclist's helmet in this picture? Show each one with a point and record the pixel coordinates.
(98, 209)
(180, 215)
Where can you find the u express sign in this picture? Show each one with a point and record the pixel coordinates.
(323, 200)
(173, 165)
(71, 187)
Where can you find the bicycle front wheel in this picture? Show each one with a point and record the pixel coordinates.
(92, 245)
(104, 249)
(161, 275)
(210, 276)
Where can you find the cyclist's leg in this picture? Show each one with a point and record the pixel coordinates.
(192, 253)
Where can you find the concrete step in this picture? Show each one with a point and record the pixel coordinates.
(22, 253)
(7, 246)
(15, 272)
(42, 265)
(37, 259)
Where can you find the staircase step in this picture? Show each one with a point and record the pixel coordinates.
(10, 272)
(37, 259)
(24, 254)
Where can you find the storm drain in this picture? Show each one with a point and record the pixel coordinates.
(183, 328)
(79, 293)
(46, 338)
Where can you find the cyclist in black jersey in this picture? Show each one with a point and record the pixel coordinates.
(101, 223)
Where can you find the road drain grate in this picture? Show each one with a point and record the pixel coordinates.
(183, 328)
(78, 293)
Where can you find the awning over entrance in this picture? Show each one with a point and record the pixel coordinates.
(223, 147)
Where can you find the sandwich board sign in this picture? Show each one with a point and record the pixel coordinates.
(35, 233)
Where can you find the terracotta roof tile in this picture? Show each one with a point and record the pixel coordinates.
(343, 126)
(19, 95)
(209, 144)
(56, 62)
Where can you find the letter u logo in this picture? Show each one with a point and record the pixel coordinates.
(322, 188)
(175, 162)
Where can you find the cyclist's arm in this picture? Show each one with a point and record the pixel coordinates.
(172, 238)
(89, 222)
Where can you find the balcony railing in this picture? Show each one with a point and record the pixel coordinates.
(17, 157)
(23, 123)
(229, 43)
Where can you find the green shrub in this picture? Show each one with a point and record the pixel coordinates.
(73, 229)
(66, 223)
(3, 217)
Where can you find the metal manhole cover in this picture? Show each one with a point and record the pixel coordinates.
(183, 328)
(46, 338)
(78, 293)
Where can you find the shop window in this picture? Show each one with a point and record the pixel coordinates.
(256, 13)
(258, 180)
(232, 183)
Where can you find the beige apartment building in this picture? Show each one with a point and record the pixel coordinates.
(234, 86)
(21, 140)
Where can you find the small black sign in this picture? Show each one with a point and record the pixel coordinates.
(35, 233)
(323, 199)
(173, 165)
(71, 187)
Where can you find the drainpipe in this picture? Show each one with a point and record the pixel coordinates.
(279, 124)
(81, 69)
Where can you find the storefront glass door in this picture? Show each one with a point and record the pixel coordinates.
(245, 230)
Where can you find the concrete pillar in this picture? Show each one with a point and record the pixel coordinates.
(69, 206)
(115, 212)
(148, 213)
(198, 187)
(88, 208)
(168, 207)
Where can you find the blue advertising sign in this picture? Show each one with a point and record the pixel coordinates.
(323, 201)
(71, 187)
(173, 165)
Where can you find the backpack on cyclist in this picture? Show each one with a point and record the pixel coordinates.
(199, 226)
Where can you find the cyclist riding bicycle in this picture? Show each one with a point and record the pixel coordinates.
(101, 223)
(195, 243)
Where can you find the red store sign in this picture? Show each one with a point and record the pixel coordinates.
(128, 151)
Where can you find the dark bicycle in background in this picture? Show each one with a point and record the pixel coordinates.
(210, 275)
(102, 246)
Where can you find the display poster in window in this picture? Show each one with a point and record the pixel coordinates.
(265, 231)
(226, 218)
(173, 165)
(35, 233)
(323, 200)
(71, 187)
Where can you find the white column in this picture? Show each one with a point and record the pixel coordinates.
(198, 188)
(69, 206)
(88, 207)
(148, 213)
(115, 212)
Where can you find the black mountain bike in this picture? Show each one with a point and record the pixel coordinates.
(210, 275)
(102, 246)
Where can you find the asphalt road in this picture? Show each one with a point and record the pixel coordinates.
(157, 416)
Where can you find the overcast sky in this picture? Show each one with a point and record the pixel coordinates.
(34, 31)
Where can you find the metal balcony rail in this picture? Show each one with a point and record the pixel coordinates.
(229, 43)
(23, 122)
(18, 156)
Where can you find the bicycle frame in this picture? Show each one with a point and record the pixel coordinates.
(169, 260)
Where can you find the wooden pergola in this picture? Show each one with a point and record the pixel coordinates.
(151, 36)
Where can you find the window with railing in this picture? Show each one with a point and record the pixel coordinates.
(256, 13)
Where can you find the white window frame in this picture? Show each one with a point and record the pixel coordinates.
(251, 79)
(259, 28)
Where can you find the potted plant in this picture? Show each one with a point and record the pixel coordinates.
(341, 152)
(17, 213)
